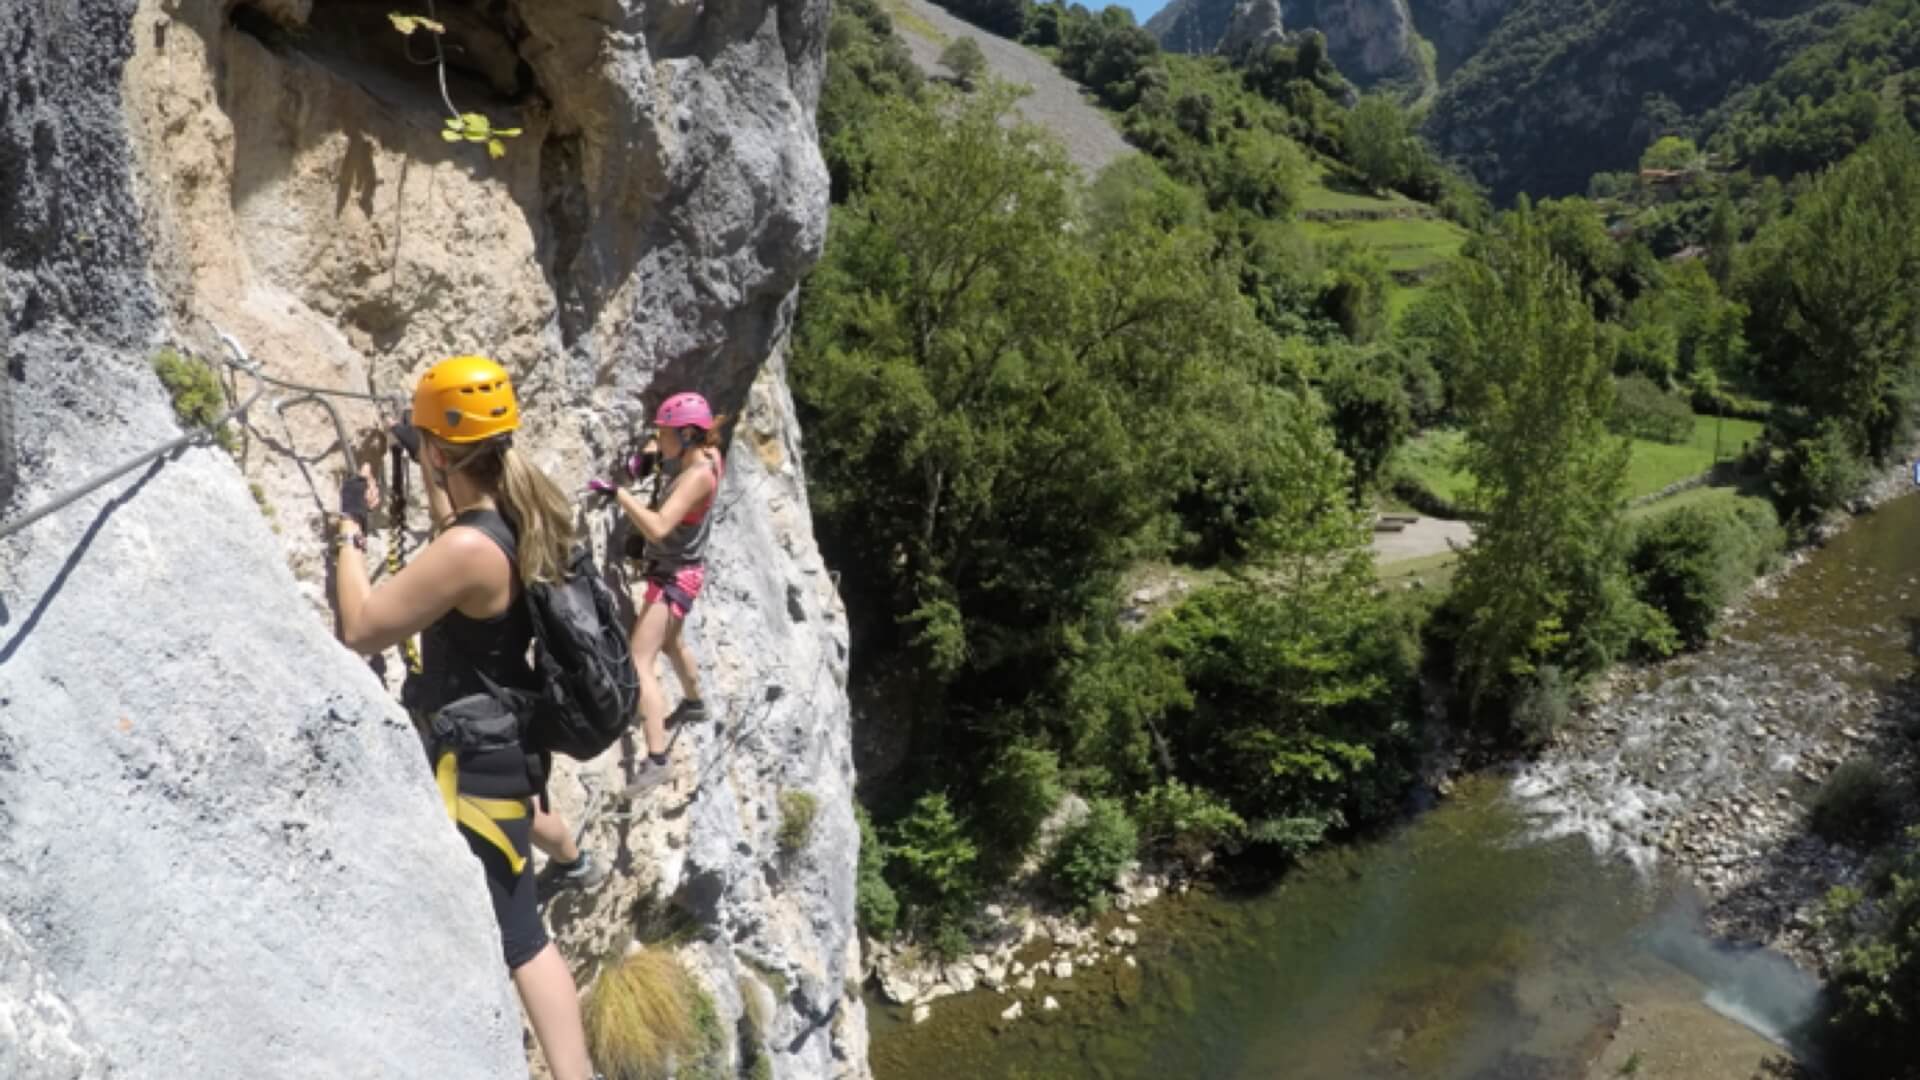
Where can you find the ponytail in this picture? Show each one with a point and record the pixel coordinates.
(542, 517)
(716, 434)
(543, 514)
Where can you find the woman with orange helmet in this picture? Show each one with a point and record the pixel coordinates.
(675, 523)
(499, 521)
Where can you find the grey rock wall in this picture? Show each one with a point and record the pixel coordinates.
(1371, 41)
(216, 858)
(220, 854)
(1256, 25)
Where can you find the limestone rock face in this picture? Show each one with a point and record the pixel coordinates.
(220, 853)
(1371, 41)
(1255, 25)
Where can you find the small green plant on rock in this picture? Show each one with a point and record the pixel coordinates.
(198, 399)
(461, 126)
(797, 809)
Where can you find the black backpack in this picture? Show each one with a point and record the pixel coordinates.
(589, 690)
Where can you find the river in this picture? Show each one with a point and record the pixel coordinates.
(1526, 927)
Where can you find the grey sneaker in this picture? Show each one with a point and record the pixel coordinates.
(583, 873)
(689, 711)
(648, 776)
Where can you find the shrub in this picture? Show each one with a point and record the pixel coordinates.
(949, 941)
(935, 859)
(1812, 471)
(1021, 789)
(1872, 1002)
(1643, 410)
(874, 904)
(1690, 562)
(965, 60)
(1855, 806)
(797, 809)
(1371, 412)
(198, 399)
(1188, 822)
(1091, 855)
(640, 1015)
(1542, 706)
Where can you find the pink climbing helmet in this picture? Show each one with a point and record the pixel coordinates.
(684, 410)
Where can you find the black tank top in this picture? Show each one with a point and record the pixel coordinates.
(457, 648)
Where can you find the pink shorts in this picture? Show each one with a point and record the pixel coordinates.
(680, 588)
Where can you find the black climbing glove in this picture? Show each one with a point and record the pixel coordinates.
(408, 436)
(353, 500)
(641, 465)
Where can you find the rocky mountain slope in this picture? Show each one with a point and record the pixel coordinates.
(1372, 41)
(1538, 95)
(223, 856)
(1051, 100)
(1564, 88)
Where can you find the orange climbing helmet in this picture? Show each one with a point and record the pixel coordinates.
(465, 399)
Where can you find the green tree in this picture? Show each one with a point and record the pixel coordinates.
(1375, 139)
(1542, 582)
(1369, 409)
(965, 60)
(935, 859)
(1089, 858)
(874, 903)
(1723, 241)
(1002, 393)
(1671, 152)
(1282, 693)
(1835, 314)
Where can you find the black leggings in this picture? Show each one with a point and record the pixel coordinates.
(516, 900)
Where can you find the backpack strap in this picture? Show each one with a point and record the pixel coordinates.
(499, 530)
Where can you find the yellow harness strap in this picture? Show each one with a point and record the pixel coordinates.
(479, 815)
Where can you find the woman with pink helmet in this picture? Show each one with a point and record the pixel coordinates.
(675, 524)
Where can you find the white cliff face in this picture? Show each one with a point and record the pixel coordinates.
(222, 854)
(1371, 41)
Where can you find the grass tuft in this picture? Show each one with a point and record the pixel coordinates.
(797, 809)
(640, 1016)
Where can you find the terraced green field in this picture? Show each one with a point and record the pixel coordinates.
(1432, 460)
(1329, 192)
(1408, 244)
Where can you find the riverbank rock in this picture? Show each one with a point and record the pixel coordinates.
(182, 743)
(1707, 761)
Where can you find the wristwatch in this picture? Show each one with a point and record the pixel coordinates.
(353, 538)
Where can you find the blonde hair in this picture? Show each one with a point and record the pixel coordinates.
(541, 514)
